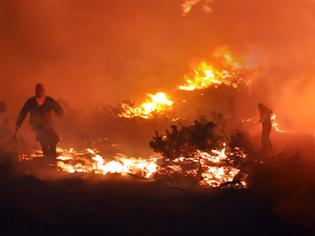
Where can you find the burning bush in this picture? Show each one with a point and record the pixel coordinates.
(199, 153)
(180, 141)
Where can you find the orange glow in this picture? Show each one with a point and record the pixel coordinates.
(188, 5)
(227, 58)
(154, 104)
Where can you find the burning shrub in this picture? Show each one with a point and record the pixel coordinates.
(199, 153)
(180, 141)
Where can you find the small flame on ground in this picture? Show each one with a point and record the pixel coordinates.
(213, 167)
(93, 163)
(215, 176)
(155, 103)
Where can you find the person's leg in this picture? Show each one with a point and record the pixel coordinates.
(265, 138)
(40, 136)
(269, 144)
(53, 140)
(45, 149)
(52, 150)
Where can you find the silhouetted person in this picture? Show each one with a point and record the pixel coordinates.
(40, 108)
(5, 130)
(266, 122)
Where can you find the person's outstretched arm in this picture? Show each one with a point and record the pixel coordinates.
(25, 109)
(58, 109)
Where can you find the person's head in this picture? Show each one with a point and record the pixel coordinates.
(2, 107)
(39, 90)
(261, 106)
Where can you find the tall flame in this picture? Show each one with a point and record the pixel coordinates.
(228, 70)
(155, 103)
(205, 75)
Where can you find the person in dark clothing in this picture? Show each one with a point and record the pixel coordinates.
(40, 108)
(5, 130)
(266, 122)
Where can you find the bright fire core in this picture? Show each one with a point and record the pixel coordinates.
(155, 103)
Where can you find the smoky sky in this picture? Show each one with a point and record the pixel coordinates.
(101, 51)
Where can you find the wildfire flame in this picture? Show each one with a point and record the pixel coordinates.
(212, 168)
(155, 103)
(93, 163)
(188, 5)
(215, 176)
(205, 75)
(228, 71)
(275, 124)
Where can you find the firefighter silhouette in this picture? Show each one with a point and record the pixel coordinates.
(266, 123)
(40, 108)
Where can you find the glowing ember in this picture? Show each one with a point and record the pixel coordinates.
(155, 104)
(215, 176)
(29, 157)
(188, 4)
(213, 169)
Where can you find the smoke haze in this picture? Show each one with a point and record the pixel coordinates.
(91, 52)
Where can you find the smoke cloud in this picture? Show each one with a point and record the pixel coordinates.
(92, 52)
